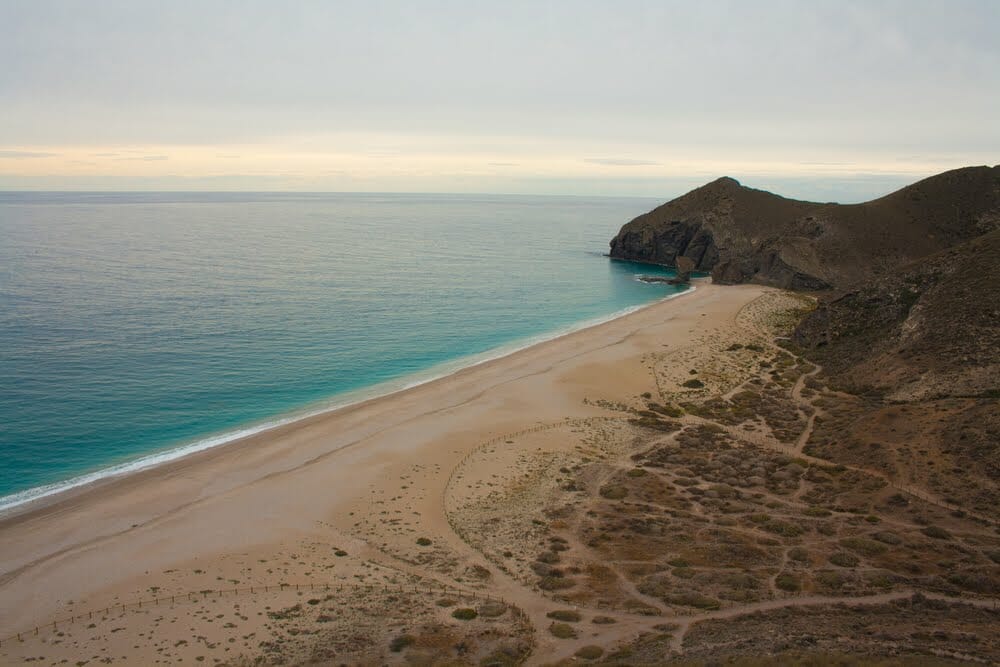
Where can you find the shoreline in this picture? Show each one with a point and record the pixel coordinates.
(37, 498)
(364, 481)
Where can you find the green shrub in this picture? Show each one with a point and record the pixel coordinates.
(567, 615)
(787, 582)
(783, 528)
(936, 532)
(401, 642)
(798, 554)
(692, 599)
(464, 614)
(589, 652)
(888, 538)
(864, 546)
(562, 631)
(423, 541)
(817, 511)
(844, 559)
(693, 384)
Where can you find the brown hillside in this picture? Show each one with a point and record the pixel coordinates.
(746, 235)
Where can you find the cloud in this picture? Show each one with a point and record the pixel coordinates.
(147, 158)
(621, 162)
(24, 155)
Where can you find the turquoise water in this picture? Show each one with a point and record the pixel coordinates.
(131, 324)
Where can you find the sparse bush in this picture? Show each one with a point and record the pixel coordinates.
(693, 383)
(589, 652)
(817, 511)
(603, 620)
(864, 546)
(783, 528)
(567, 615)
(936, 532)
(844, 559)
(692, 599)
(401, 642)
(888, 538)
(787, 582)
(798, 554)
(492, 609)
(562, 631)
(464, 614)
(423, 541)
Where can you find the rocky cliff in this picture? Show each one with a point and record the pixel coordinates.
(744, 235)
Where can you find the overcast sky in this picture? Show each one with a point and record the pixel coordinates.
(829, 100)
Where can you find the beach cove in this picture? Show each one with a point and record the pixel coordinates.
(330, 479)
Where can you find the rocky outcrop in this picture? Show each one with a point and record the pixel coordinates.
(744, 235)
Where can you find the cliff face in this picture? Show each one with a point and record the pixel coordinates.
(744, 235)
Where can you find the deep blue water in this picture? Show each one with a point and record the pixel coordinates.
(135, 323)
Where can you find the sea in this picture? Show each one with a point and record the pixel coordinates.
(138, 327)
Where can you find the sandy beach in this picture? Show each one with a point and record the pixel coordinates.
(338, 498)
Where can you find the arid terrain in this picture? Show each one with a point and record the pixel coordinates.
(741, 475)
(694, 512)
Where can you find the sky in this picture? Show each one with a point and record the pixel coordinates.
(825, 100)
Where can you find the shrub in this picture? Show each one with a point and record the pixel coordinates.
(637, 472)
(787, 582)
(936, 532)
(567, 615)
(562, 631)
(864, 546)
(693, 383)
(423, 541)
(464, 614)
(613, 491)
(603, 620)
(589, 652)
(401, 642)
(555, 583)
(692, 599)
(783, 528)
(888, 538)
(549, 557)
(817, 511)
(844, 559)
(798, 554)
(446, 602)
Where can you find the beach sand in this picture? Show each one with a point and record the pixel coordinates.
(334, 505)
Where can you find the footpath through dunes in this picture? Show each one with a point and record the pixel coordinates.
(636, 492)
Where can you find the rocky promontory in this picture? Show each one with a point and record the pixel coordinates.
(740, 234)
